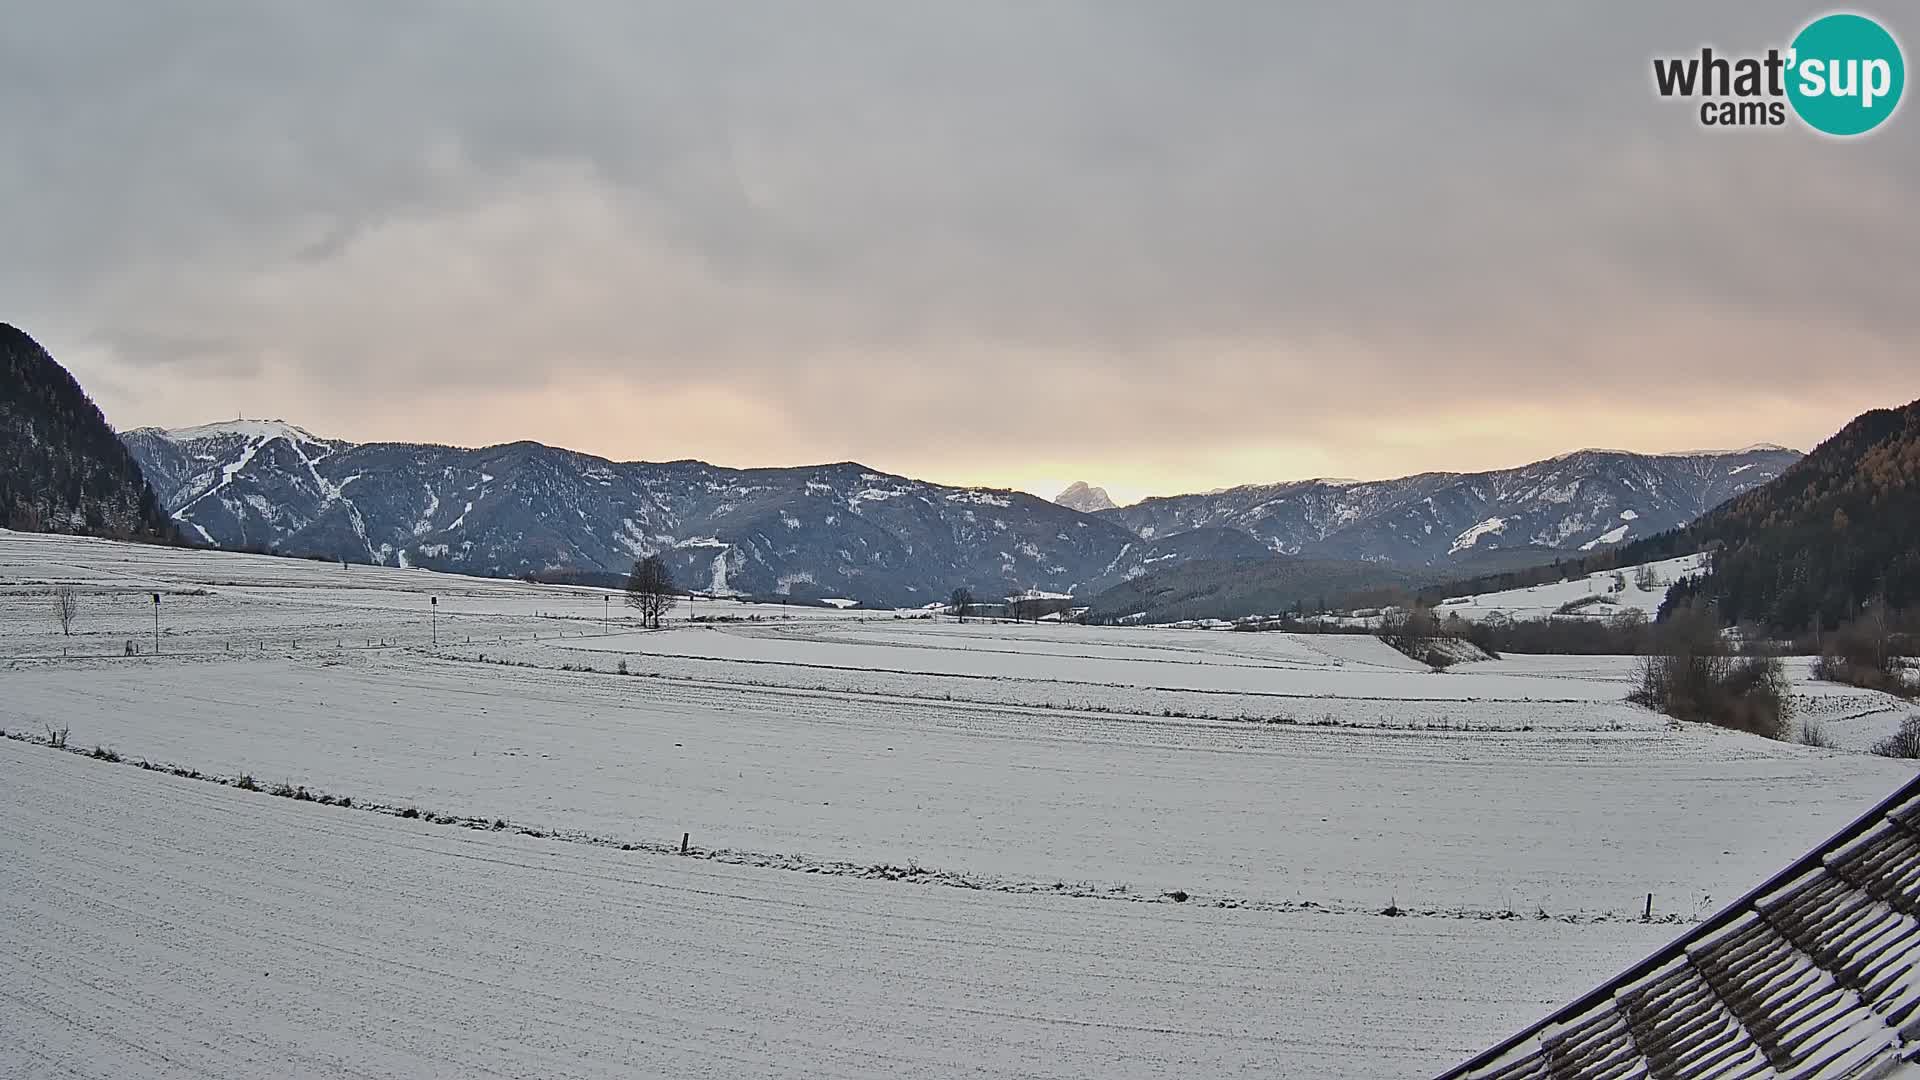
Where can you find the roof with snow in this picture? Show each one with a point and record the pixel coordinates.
(1813, 975)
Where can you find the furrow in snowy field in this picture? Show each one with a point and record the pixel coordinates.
(1568, 822)
(158, 927)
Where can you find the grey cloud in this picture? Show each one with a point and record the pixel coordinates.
(1207, 218)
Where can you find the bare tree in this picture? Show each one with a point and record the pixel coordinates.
(1877, 629)
(25, 517)
(650, 590)
(1692, 675)
(1023, 606)
(1410, 630)
(66, 605)
(959, 602)
(1904, 743)
(1646, 578)
(1862, 652)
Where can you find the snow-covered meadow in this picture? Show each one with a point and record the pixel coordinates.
(1597, 595)
(157, 927)
(228, 602)
(915, 847)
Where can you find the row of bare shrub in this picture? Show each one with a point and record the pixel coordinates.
(1691, 674)
(1866, 652)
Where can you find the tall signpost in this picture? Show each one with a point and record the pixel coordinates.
(156, 622)
(433, 614)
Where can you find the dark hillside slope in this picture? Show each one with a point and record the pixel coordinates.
(1837, 529)
(1234, 588)
(62, 468)
(1226, 584)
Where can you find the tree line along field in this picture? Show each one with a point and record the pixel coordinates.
(906, 839)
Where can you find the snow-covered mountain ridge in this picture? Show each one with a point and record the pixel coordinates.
(1582, 500)
(839, 530)
(845, 530)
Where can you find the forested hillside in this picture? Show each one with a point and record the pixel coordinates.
(62, 468)
(1834, 532)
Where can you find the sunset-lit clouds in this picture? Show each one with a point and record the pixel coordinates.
(1159, 247)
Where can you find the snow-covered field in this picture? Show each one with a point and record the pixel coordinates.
(219, 602)
(1599, 595)
(158, 927)
(915, 847)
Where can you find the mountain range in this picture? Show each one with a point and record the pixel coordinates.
(847, 531)
(1582, 501)
(816, 532)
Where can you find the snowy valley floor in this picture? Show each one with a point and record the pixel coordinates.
(163, 927)
(916, 849)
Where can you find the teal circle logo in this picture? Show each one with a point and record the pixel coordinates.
(1846, 74)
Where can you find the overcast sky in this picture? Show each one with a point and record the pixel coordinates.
(1157, 246)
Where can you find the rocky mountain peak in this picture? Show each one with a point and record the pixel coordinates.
(1079, 496)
